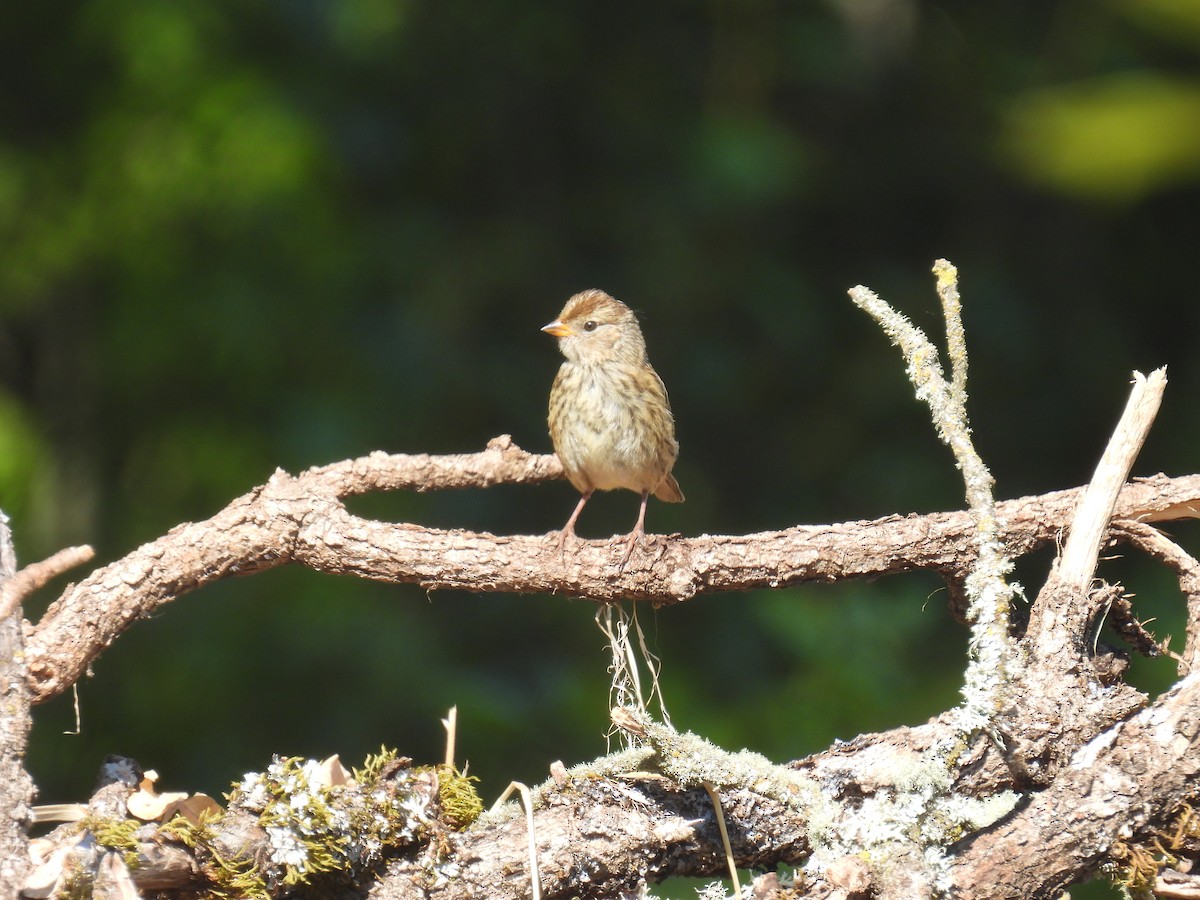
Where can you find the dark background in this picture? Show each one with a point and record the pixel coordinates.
(242, 235)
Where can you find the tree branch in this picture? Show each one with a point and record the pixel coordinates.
(301, 519)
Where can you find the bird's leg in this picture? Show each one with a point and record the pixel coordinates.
(568, 530)
(639, 530)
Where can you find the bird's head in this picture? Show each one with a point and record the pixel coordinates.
(594, 328)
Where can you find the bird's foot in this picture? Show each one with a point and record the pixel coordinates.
(634, 538)
(560, 540)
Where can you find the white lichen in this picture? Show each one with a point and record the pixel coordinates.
(313, 826)
(287, 847)
(918, 811)
(989, 594)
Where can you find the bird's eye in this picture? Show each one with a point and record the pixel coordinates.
(589, 325)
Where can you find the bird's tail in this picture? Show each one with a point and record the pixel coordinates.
(669, 490)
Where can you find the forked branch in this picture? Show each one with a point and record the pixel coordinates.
(989, 594)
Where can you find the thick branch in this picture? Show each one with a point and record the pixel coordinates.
(607, 837)
(600, 831)
(301, 519)
(601, 834)
(1115, 787)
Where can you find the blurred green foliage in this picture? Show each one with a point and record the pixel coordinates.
(236, 236)
(1149, 126)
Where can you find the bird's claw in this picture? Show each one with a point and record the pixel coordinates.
(560, 541)
(634, 538)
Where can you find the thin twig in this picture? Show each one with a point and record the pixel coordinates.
(35, 575)
(721, 827)
(1186, 568)
(956, 336)
(450, 723)
(535, 878)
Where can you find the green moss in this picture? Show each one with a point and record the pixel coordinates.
(461, 804)
(190, 834)
(116, 834)
(373, 766)
(239, 879)
(75, 884)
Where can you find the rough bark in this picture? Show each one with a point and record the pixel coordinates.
(16, 787)
(1124, 782)
(302, 520)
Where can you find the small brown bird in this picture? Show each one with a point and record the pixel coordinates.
(610, 419)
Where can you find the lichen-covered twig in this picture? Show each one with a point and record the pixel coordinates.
(988, 592)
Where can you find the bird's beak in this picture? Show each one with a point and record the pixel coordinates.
(557, 329)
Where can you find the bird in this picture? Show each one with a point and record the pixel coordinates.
(610, 419)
